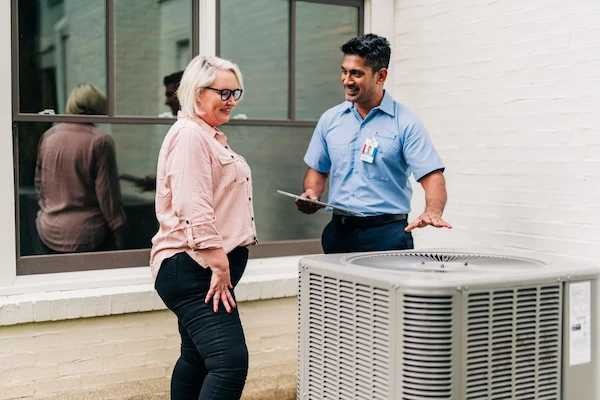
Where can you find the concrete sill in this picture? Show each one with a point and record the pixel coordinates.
(56, 297)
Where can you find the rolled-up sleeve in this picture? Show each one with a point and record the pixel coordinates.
(108, 191)
(189, 176)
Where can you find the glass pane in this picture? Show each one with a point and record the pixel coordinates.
(320, 31)
(254, 35)
(61, 44)
(275, 155)
(152, 40)
(136, 148)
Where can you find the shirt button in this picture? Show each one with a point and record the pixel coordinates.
(247, 178)
(232, 157)
(252, 218)
(226, 147)
(380, 151)
(249, 198)
(352, 195)
(187, 222)
(355, 172)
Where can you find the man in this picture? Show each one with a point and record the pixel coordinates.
(369, 145)
(171, 83)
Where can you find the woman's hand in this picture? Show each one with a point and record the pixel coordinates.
(220, 282)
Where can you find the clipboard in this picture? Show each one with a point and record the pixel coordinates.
(321, 203)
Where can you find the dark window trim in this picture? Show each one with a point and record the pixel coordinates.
(45, 264)
(100, 119)
(348, 3)
(110, 57)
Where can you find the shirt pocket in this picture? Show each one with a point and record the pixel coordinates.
(231, 170)
(385, 164)
(340, 158)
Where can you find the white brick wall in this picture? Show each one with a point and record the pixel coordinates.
(510, 92)
(132, 355)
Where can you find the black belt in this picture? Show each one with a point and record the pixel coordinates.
(363, 222)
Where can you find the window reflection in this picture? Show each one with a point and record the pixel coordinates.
(152, 40)
(275, 155)
(261, 51)
(320, 31)
(136, 148)
(61, 44)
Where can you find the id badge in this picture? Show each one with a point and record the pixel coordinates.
(369, 150)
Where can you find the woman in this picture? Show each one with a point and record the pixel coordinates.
(204, 208)
(77, 182)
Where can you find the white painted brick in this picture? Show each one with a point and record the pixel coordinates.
(509, 95)
(30, 374)
(58, 356)
(58, 310)
(102, 350)
(80, 367)
(41, 311)
(26, 391)
(89, 307)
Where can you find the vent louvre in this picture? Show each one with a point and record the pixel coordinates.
(513, 344)
(349, 354)
(427, 347)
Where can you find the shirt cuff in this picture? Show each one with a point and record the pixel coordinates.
(203, 236)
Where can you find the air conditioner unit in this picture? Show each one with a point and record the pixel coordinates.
(446, 325)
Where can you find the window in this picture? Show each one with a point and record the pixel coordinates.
(124, 49)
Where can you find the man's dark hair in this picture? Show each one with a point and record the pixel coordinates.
(374, 49)
(175, 78)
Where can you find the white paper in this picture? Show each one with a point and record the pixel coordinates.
(580, 297)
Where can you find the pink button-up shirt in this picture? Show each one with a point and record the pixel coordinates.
(203, 194)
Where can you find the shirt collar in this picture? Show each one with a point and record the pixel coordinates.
(387, 105)
(200, 122)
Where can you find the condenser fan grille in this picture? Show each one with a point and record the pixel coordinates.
(513, 344)
(427, 342)
(348, 343)
(442, 262)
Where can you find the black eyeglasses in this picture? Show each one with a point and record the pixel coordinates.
(227, 93)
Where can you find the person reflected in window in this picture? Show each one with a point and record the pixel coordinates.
(171, 83)
(206, 221)
(77, 182)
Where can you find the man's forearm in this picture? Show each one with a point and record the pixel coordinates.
(315, 181)
(434, 185)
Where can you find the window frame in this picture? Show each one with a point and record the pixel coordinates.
(73, 262)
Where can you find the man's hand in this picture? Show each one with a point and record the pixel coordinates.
(146, 184)
(305, 206)
(426, 219)
(314, 186)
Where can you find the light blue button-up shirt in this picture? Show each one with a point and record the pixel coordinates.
(381, 187)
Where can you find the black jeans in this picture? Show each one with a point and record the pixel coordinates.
(338, 238)
(214, 358)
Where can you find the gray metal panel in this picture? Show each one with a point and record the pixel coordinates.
(580, 382)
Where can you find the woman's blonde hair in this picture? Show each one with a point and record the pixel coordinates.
(200, 73)
(86, 99)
